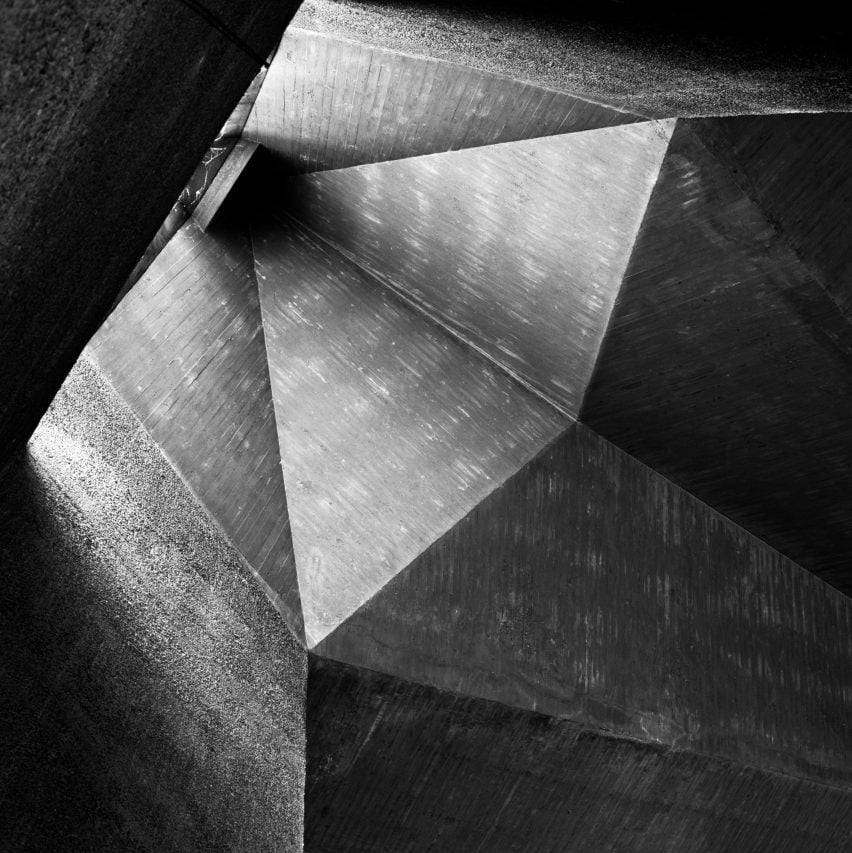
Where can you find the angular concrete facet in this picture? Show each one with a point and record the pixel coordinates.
(518, 248)
(797, 169)
(727, 367)
(99, 135)
(185, 349)
(393, 765)
(328, 103)
(589, 588)
(390, 429)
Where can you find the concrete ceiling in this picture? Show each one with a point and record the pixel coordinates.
(513, 436)
(543, 546)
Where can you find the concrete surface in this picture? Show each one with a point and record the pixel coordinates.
(395, 766)
(518, 248)
(150, 696)
(727, 365)
(107, 107)
(391, 430)
(661, 59)
(329, 103)
(186, 350)
(589, 588)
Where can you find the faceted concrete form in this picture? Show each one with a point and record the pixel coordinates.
(186, 350)
(723, 344)
(520, 636)
(394, 765)
(518, 249)
(796, 167)
(390, 429)
(517, 636)
(590, 588)
(328, 103)
(107, 108)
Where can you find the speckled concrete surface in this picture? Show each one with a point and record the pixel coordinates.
(106, 107)
(150, 696)
(612, 56)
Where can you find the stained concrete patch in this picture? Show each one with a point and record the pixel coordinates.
(150, 696)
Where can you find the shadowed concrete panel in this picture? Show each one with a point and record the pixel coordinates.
(728, 368)
(517, 248)
(797, 168)
(390, 429)
(107, 108)
(588, 587)
(393, 765)
(226, 177)
(185, 349)
(151, 698)
(328, 103)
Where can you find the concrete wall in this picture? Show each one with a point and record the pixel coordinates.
(107, 107)
(150, 696)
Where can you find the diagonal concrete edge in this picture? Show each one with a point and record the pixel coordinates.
(125, 92)
(186, 351)
(397, 765)
(517, 249)
(390, 430)
(795, 167)
(329, 103)
(588, 587)
(727, 367)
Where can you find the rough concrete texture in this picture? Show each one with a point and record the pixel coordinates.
(150, 696)
(105, 110)
(397, 767)
(661, 64)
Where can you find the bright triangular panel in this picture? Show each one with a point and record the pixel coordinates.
(185, 349)
(518, 248)
(590, 588)
(390, 429)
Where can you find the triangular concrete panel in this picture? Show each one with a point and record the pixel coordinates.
(186, 350)
(328, 103)
(391, 430)
(721, 347)
(518, 249)
(553, 595)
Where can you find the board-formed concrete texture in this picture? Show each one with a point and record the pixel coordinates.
(394, 765)
(390, 429)
(185, 348)
(786, 166)
(727, 365)
(107, 109)
(646, 57)
(518, 248)
(566, 590)
(461, 537)
(328, 103)
(519, 618)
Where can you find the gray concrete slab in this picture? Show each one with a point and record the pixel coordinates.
(151, 698)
